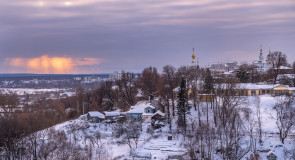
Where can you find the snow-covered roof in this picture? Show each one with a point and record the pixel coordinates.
(147, 114)
(115, 87)
(252, 86)
(139, 109)
(111, 114)
(159, 113)
(247, 86)
(270, 152)
(176, 89)
(284, 67)
(96, 114)
(286, 75)
(139, 93)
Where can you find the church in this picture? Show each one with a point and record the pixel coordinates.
(261, 64)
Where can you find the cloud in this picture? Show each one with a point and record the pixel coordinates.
(132, 34)
(46, 64)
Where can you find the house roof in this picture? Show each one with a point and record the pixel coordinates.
(284, 67)
(270, 152)
(115, 87)
(139, 108)
(96, 114)
(139, 93)
(159, 113)
(147, 114)
(112, 114)
(176, 89)
(252, 86)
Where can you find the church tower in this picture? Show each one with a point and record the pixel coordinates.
(198, 63)
(261, 56)
(193, 57)
(194, 64)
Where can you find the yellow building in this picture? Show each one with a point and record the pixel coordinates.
(250, 89)
(245, 89)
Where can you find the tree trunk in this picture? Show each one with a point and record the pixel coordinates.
(173, 105)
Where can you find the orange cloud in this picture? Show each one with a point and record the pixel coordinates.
(46, 64)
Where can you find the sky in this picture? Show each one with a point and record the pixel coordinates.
(103, 36)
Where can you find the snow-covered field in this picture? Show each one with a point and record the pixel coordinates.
(157, 146)
(24, 91)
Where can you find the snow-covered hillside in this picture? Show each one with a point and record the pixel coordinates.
(101, 138)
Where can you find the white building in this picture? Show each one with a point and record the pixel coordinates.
(261, 64)
(115, 76)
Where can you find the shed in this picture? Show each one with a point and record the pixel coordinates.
(271, 156)
(158, 119)
(95, 116)
(111, 117)
(158, 115)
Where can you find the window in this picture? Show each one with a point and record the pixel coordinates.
(263, 91)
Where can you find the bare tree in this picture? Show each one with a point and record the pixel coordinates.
(127, 89)
(150, 82)
(285, 115)
(257, 103)
(129, 133)
(49, 141)
(208, 89)
(12, 130)
(79, 99)
(169, 82)
(230, 120)
(183, 72)
(110, 94)
(202, 143)
(194, 84)
(275, 60)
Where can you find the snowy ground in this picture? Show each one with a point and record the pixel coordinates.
(157, 146)
(25, 91)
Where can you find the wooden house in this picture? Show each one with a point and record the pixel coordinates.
(141, 112)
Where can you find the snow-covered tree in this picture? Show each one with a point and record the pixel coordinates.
(128, 133)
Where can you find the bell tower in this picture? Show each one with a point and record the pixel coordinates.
(261, 56)
(193, 57)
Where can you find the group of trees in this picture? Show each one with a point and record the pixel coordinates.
(131, 88)
(233, 128)
(277, 63)
(29, 136)
(16, 125)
